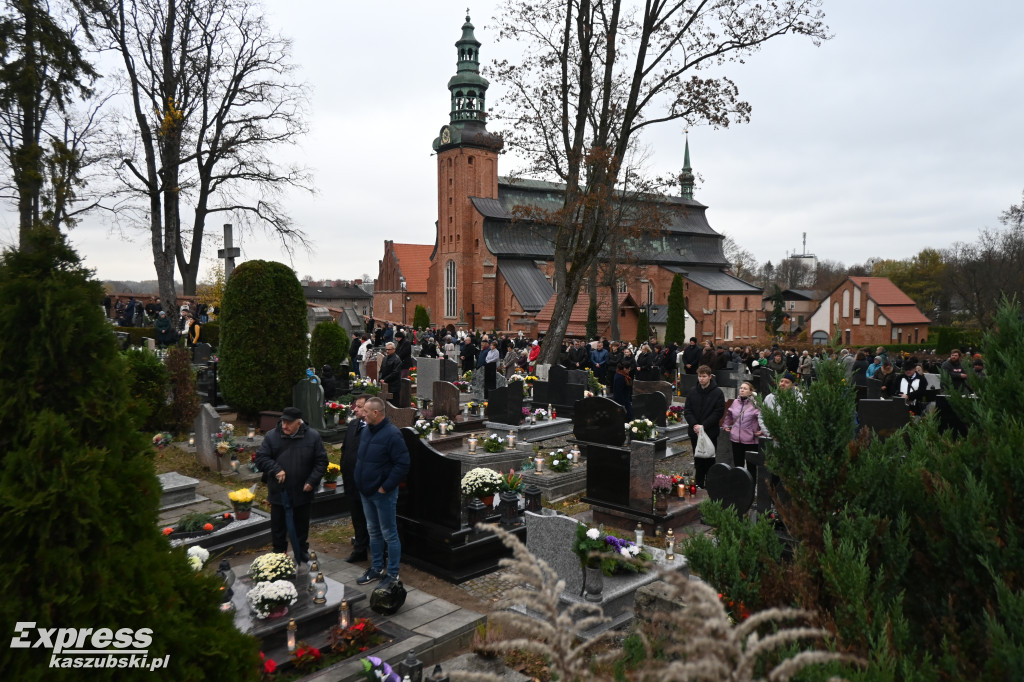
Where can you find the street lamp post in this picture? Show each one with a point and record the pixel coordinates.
(401, 282)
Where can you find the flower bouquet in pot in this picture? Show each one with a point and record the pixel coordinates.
(272, 598)
(423, 427)
(241, 501)
(331, 476)
(481, 482)
(271, 567)
(642, 429)
(442, 424)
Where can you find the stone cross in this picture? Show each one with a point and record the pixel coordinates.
(230, 252)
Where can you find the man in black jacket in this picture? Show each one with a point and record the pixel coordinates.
(391, 371)
(403, 349)
(294, 459)
(691, 356)
(704, 408)
(349, 457)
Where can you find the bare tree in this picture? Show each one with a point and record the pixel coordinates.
(212, 100)
(743, 263)
(598, 73)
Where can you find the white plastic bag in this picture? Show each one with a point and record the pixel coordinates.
(705, 448)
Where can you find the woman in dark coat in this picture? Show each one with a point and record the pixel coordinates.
(646, 365)
(622, 388)
(703, 410)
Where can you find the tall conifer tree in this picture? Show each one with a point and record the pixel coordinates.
(78, 493)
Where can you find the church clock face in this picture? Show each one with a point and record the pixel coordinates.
(446, 135)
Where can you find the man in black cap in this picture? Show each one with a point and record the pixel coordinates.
(691, 356)
(294, 459)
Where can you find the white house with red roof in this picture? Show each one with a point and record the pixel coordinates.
(868, 311)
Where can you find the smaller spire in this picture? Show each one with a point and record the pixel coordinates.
(686, 178)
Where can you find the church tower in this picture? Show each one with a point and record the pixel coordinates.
(467, 166)
(686, 178)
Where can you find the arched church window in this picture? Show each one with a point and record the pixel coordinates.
(450, 299)
(621, 286)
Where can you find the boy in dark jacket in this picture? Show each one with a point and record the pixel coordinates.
(704, 409)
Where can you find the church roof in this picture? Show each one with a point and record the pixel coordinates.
(529, 285)
(578, 317)
(715, 281)
(414, 263)
(686, 238)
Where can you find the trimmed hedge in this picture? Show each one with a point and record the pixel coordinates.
(328, 345)
(263, 337)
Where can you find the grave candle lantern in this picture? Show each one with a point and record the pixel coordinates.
(639, 532)
(472, 443)
(319, 589)
(192, 439)
(538, 462)
(344, 614)
(511, 440)
(292, 629)
(670, 545)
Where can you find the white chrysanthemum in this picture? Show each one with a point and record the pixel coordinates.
(195, 563)
(554, 462)
(624, 551)
(593, 533)
(199, 552)
(634, 429)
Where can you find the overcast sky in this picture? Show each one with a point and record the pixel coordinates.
(903, 131)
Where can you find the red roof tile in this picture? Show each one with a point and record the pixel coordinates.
(882, 291)
(414, 262)
(903, 314)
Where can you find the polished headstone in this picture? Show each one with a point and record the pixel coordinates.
(449, 371)
(732, 486)
(645, 387)
(883, 416)
(433, 491)
(308, 396)
(207, 423)
(651, 406)
(549, 536)
(372, 370)
(404, 393)
(428, 370)
(687, 382)
(201, 353)
(446, 399)
(400, 416)
(607, 474)
(599, 420)
(577, 376)
(505, 405)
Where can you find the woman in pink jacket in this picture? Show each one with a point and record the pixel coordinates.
(740, 422)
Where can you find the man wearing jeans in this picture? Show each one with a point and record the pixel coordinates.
(382, 464)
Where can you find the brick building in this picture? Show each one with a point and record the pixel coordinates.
(402, 274)
(868, 311)
(490, 271)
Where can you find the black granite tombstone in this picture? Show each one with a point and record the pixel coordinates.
(874, 389)
(433, 536)
(561, 391)
(201, 353)
(765, 380)
(449, 371)
(650, 406)
(608, 474)
(577, 376)
(505, 405)
(600, 421)
(732, 486)
(687, 382)
(490, 378)
(883, 416)
(432, 493)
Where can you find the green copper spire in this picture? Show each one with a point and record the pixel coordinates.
(468, 87)
(686, 177)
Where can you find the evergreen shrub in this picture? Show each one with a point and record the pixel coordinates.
(420, 318)
(908, 548)
(184, 405)
(675, 327)
(78, 493)
(329, 345)
(263, 344)
(148, 387)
